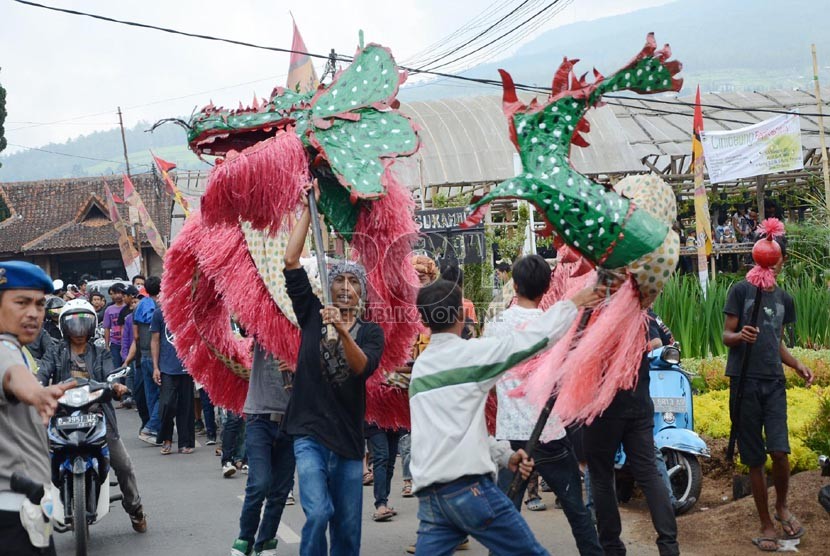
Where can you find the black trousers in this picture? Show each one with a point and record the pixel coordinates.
(139, 395)
(602, 438)
(14, 540)
(176, 402)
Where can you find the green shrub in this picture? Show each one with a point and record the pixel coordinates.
(805, 409)
(816, 435)
(712, 371)
(697, 322)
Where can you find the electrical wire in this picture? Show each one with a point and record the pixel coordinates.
(172, 31)
(342, 58)
(69, 155)
(423, 54)
(534, 16)
(478, 36)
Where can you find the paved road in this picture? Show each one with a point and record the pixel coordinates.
(193, 510)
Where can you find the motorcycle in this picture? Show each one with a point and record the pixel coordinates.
(80, 458)
(824, 493)
(674, 435)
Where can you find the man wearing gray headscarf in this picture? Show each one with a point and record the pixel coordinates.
(325, 414)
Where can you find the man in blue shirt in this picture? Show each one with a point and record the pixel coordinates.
(176, 389)
(142, 319)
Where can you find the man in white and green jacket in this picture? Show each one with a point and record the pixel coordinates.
(453, 458)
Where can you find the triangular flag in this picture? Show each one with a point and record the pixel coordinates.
(301, 74)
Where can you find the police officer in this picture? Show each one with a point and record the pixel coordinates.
(25, 406)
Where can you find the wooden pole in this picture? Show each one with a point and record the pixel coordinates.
(760, 181)
(825, 165)
(124, 141)
(423, 187)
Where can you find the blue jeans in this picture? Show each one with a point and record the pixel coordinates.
(557, 465)
(208, 413)
(331, 493)
(664, 474)
(151, 391)
(233, 438)
(115, 351)
(270, 478)
(384, 451)
(474, 506)
(405, 445)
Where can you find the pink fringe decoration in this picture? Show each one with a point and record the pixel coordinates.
(771, 226)
(383, 240)
(203, 318)
(761, 277)
(605, 359)
(260, 184)
(245, 293)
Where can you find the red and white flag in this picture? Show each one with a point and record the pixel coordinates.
(302, 77)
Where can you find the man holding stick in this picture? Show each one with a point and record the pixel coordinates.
(758, 399)
(325, 414)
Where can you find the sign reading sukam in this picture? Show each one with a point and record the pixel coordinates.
(767, 147)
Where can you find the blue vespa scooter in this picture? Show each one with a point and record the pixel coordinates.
(674, 435)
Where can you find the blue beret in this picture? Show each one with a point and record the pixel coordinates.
(19, 275)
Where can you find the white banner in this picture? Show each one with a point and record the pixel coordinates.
(767, 147)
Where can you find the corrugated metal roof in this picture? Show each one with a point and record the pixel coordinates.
(666, 129)
(466, 140)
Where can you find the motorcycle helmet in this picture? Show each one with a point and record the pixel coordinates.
(54, 306)
(78, 318)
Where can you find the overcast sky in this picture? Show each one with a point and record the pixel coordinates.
(59, 67)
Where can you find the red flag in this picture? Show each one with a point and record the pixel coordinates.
(703, 227)
(165, 167)
(301, 74)
(134, 200)
(129, 255)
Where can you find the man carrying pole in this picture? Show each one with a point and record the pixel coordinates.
(325, 414)
(756, 312)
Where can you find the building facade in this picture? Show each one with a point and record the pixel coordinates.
(63, 225)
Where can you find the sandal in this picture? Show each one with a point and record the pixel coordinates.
(406, 491)
(384, 514)
(187, 450)
(792, 527)
(368, 478)
(167, 449)
(766, 544)
(536, 505)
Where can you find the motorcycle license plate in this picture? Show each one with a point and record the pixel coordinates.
(77, 421)
(669, 405)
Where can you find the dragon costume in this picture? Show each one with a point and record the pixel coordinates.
(624, 229)
(227, 262)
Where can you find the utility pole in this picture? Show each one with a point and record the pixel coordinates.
(133, 214)
(825, 165)
(124, 141)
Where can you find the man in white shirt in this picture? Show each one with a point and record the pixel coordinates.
(453, 458)
(554, 458)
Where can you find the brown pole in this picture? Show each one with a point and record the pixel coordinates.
(825, 166)
(124, 141)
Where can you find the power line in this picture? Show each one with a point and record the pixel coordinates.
(528, 30)
(66, 154)
(341, 58)
(418, 57)
(481, 34)
(534, 16)
(172, 31)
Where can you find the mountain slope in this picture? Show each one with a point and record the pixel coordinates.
(724, 45)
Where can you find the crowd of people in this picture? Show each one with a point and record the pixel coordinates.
(309, 423)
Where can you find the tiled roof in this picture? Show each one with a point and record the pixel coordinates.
(63, 215)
